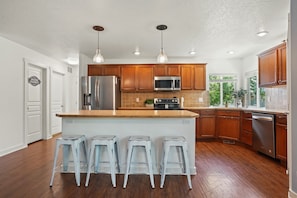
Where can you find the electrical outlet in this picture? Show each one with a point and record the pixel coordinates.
(200, 99)
(137, 100)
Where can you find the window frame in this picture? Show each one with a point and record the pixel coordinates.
(221, 81)
(248, 75)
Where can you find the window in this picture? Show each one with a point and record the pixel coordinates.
(256, 96)
(221, 88)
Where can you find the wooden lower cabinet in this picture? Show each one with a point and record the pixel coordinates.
(207, 123)
(228, 124)
(246, 133)
(281, 137)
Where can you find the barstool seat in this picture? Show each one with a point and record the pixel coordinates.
(110, 142)
(74, 142)
(139, 141)
(178, 142)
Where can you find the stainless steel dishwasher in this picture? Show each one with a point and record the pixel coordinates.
(264, 133)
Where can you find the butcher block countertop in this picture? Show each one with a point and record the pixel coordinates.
(131, 113)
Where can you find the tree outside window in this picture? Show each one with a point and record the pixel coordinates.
(221, 89)
(254, 91)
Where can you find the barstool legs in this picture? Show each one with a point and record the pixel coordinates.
(178, 142)
(142, 141)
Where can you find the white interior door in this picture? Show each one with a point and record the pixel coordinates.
(34, 104)
(57, 101)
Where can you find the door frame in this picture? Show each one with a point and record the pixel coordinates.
(45, 99)
(63, 96)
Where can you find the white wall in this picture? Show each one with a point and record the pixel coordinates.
(12, 91)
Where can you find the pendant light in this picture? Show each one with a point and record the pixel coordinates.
(162, 58)
(98, 58)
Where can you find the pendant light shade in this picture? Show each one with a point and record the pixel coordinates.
(98, 58)
(162, 57)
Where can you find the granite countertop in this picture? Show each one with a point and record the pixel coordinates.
(251, 109)
(131, 113)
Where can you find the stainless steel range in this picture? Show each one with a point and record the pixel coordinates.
(166, 104)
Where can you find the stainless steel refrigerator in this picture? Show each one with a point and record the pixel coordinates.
(100, 92)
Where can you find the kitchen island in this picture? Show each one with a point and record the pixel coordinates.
(124, 123)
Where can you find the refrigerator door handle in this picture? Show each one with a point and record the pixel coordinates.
(97, 91)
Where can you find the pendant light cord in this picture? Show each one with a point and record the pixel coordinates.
(98, 40)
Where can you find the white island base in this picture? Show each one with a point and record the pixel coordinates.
(123, 127)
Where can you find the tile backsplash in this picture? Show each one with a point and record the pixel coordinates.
(276, 98)
(192, 98)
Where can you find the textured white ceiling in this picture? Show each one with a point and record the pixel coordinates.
(63, 28)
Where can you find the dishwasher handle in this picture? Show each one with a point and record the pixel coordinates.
(263, 118)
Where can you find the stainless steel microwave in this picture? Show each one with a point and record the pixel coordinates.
(167, 83)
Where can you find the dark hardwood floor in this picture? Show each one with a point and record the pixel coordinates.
(222, 171)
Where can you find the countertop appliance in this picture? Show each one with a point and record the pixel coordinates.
(166, 104)
(167, 83)
(100, 92)
(264, 133)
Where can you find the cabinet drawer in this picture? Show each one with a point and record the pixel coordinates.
(228, 113)
(281, 119)
(246, 114)
(247, 125)
(207, 112)
(246, 137)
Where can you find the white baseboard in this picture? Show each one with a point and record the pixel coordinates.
(12, 149)
(292, 194)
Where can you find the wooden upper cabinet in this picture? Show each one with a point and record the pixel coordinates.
(104, 70)
(282, 62)
(199, 77)
(187, 77)
(193, 77)
(112, 71)
(137, 78)
(145, 78)
(272, 66)
(173, 70)
(95, 70)
(160, 70)
(128, 78)
(167, 70)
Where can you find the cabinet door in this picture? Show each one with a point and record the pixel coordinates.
(173, 70)
(160, 70)
(95, 70)
(145, 75)
(282, 65)
(199, 77)
(268, 68)
(128, 78)
(228, 127)
(207, 127)
(112, 71)
(186, 77)
(281, 141)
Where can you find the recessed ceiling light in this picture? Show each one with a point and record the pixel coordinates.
(262, 33)
(72, 61)
(192, 52)
(136, 52)
(230, 52)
